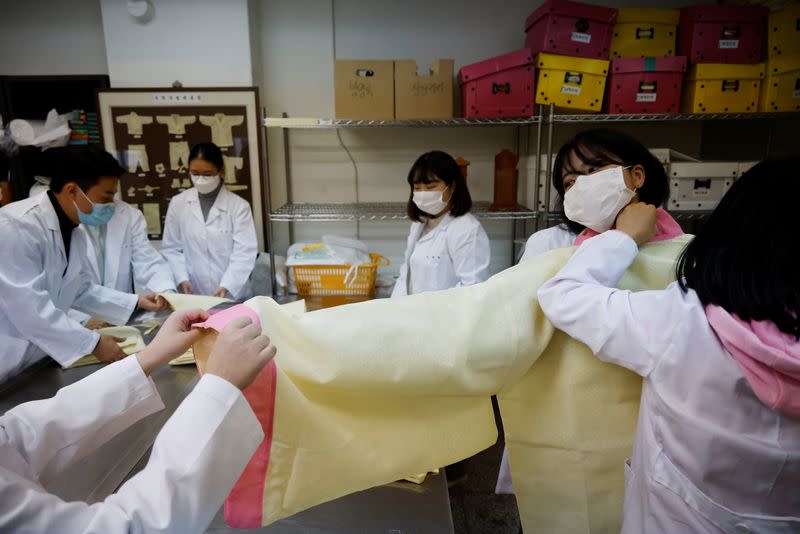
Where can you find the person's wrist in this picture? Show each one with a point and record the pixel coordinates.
(150, 359)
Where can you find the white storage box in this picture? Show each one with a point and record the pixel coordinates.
(699, 186)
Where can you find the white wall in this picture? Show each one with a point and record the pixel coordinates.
(201, 43)
(39, 37)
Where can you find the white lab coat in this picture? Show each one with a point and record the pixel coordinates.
(129, 256)
(38, 286)
(218, 252)
(196, 459)
(454, 254)
(548, 239)
(708, 456)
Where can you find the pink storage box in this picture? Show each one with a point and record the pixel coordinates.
(722, 34)
(571, 29)
(646, 85)
(502, 86)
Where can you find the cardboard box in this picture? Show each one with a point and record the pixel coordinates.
(364, 89)
(427, 96)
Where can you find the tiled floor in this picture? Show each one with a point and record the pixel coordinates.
(475, 507)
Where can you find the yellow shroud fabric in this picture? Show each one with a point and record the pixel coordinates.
(370, 392)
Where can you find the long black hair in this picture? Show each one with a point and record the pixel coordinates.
(602, 146)
(744, 259)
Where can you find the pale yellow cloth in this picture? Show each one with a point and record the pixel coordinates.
(181, 302)
(187, 358)
(370, 392)
(133, 343)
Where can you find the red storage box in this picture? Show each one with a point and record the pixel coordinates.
(646, 85)
(502, 86)
(571, 29)
(722, 34)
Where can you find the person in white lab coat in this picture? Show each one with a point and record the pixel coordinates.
(717, 445)
(121, 257)
(447, 246)
(43, 272)
(197, 457)
(209, 236)
(591, 208)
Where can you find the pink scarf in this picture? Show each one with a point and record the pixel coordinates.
(666, 228)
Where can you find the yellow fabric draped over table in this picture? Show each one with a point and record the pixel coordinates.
(368, 393)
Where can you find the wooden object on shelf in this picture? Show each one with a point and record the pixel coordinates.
(505, 181)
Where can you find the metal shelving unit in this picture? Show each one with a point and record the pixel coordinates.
(303, 123)
(298, 212)
(380, 211)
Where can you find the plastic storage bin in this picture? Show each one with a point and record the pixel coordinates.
(780, 91)
(646, 85)
(570, 28)
(783, 32)
(642, 32)
(502, 86)
(571, 82)
(722, 88)
(722, 34)
(699, 186)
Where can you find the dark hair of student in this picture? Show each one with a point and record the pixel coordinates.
(207, 152)
(602, 146)
(83, 165)
(744, 258)
(441, 165)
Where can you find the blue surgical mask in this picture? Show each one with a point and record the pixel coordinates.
(100, 214)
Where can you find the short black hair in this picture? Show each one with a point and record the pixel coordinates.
(207, 152)
(84, 165)
(744, 258)
(441, 165)
(603, 146)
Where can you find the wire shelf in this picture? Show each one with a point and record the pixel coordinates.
(311, 123)
(379, 211)
(673, 118)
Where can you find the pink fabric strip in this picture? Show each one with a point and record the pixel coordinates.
(245, 503)
(666, 228)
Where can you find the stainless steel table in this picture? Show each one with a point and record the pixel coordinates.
(397, 508)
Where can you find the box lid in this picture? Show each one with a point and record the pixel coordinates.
(569, 8)
(570, 63)
(727, 13)
(647, 15)
(726, 71)
(490, 66)
(782, 64)
(648, 64)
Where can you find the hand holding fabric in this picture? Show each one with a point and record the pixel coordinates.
(174, 337)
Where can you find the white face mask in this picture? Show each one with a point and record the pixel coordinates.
(431, 202)
(205, 184)
(595, 200)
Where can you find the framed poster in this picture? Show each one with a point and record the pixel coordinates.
(151, 132)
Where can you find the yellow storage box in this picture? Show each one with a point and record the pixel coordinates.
(781, 88)
(573, 83)
(642, 32)
(723, 88)
(783, 32)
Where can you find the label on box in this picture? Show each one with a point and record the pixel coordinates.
(645, 97)
(579, 37)
(570, 90)
(421, 88)
(729, 43)
(701, 192)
